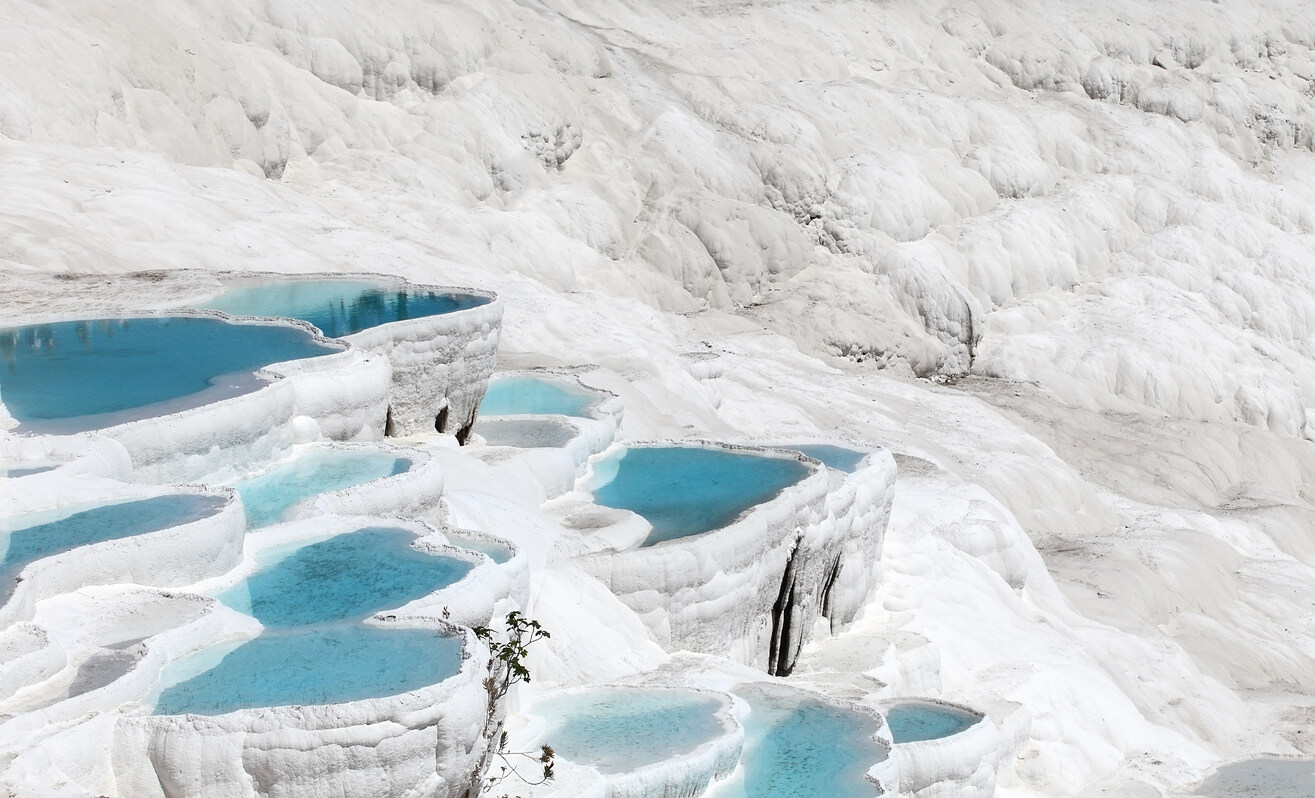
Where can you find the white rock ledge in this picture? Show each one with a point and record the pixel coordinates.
(440, 364)
(422, 742)
(681, 776)
(178, 555)
(847, 542)
(716, 592)
(414, 493)
(963, 764)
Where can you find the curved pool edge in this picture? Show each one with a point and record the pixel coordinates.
(848, 541)
(720, 586)
(341, 393)
(440, 364)
(318, 747)
(413, 494)
(690, 773)
(966, 762)
(171, 557)
(885, 773)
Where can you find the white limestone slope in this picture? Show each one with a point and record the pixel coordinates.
(766, 220)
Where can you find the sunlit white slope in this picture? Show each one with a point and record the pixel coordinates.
(1100, 213)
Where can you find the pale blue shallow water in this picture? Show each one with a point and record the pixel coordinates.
(70, 376)
(23, 542)
(837, 457)
(800, 746)
(524, 395)
(688, 490)
(269, 496)
(316, 666)
(529, 433)
(919, 720)
(349, 576)
(15, 471)
(1262, 778)
(497, 552)
(339, 307)
(619, 730)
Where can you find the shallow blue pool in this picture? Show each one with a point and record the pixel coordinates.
(269, 496)
(317, 666)
(347, 576)
(922, 720)
(1263, 778)
(618, 730)
(494, 551)
(339, 307)
(16, 471)
(524, 395)
(23, 541)
(78, 375)
(837, 457)
(797, 746)
(528, 433)
(688, 490)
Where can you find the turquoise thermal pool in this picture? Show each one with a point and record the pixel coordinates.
(798, 745)
(535, 395)
(837, 457)
(269, 496)
(310, 597)
(688, 490)
(531, 433)
(78, 375)
(618, 730)
(315, 666)
(339, 307)
(349, 576)
(24, 539)
(915, 721)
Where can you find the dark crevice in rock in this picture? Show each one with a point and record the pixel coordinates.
(784, 649)
(830, 582)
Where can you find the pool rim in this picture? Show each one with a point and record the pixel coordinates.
(264, 376)
(880, 735)
(588, 484)
(731, 727)
(227, 278)
(421, 463)
(604, 404)
(889, 703)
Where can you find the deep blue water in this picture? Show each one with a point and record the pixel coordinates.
(618, 730)
(837, 457)
(520, 395)
(800, 746)
(918, 720)
(339, 307)
(74, 372)
(688, 490)
(268, 496)
(23, 542)
(349, 576)
(315, 666)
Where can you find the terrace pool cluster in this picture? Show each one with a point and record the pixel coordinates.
(306, 582)
(312, 599)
